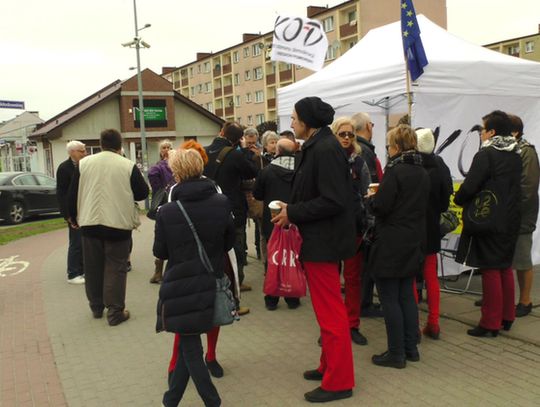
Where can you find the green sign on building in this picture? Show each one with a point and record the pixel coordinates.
(152, 113)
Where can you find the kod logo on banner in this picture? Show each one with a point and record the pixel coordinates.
(300, 41)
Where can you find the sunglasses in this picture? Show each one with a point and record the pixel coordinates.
(344, 134)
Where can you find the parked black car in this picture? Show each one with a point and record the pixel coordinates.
(23, 194)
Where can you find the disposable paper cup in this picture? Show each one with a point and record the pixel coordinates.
(275, 209)
(374, 187)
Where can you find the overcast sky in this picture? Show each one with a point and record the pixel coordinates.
(53, 53)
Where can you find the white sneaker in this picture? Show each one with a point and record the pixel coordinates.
(76, 280)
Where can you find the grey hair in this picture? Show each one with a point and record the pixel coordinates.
(251, 131)
(360, 121)
(269, 135)
(165, 142)
(74, 145)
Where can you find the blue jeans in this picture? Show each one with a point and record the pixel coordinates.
(191, 364)
(74, 257)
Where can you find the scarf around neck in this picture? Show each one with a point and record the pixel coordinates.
(406, 157)
(502, 143)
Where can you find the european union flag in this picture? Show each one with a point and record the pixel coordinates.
(412, 43)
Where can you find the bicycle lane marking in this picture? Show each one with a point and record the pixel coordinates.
(27, 365)
(9, 266)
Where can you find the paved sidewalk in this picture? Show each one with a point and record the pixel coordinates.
(263, 355)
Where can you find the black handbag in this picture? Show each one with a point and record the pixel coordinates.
(159, 198)
(486, 213)
(225, 312)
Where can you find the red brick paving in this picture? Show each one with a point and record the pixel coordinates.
(27, 369)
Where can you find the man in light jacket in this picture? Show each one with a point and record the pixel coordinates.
(102, 199)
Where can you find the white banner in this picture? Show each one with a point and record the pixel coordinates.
(300, 41)
(456, 115)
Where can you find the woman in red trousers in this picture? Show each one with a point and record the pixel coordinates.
(441, 188)
(321, 206)
(499, 163)
(343, 129)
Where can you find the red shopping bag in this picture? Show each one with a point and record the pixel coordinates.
(285, 276)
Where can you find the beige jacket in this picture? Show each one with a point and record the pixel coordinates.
(105, 196)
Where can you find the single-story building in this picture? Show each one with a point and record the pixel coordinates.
(168, 115)
(17, 153)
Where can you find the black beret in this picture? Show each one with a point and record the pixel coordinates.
(314, 112)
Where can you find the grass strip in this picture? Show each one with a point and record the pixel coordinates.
(10, 234)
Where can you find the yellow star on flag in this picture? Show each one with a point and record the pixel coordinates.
(410, 23)
(409, 13)
(403, 5)
(405, 33)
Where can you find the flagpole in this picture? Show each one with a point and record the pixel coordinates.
(408, 80)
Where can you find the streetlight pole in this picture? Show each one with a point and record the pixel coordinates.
(140, 91)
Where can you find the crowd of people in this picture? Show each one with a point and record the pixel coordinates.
(361, 226)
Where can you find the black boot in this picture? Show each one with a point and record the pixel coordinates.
(322, 396)
(357, 337)
(507, 325)
(387, 360)
(480, 331)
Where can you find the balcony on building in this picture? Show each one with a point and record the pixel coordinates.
(219, 112)
(184, 82)
(271, 103)
(176, 84)
(348, 29)
(229, 111)
(285, 75)
(227, 68)
(217, 93)
(271, 79)
(217, 70)
(227, 90)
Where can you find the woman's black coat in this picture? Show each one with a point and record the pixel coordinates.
(321, 200)
(187, 292)
(495, 250)
(400, 207)
(440, 190)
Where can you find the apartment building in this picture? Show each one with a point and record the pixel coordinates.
(527, 47)
(240, 82)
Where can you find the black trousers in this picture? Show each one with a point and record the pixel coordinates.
(239, 250)
(400, 314)
(191, 364)
(75, 255)
(105, 269)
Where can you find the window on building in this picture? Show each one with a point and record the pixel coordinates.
(239, 120)
(246, 52)
(259, 96)
(529, 46)
(236, 57)
(258, 73)
(260, 118)
(210, 107)
(206, 67)
(199, 68)
(256, 49)
(351, 17)
(92, 150)
(248, 97)
(191, 72)
(247, 75)
(237, 79)
(250, 120)
(199, 88)
(237, 100)
(330, 53)
(192, 91)
(208, 87)
(328, 24)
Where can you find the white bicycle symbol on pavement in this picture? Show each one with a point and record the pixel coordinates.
(11, 267)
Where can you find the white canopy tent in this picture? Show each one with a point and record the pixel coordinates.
(462, 83)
